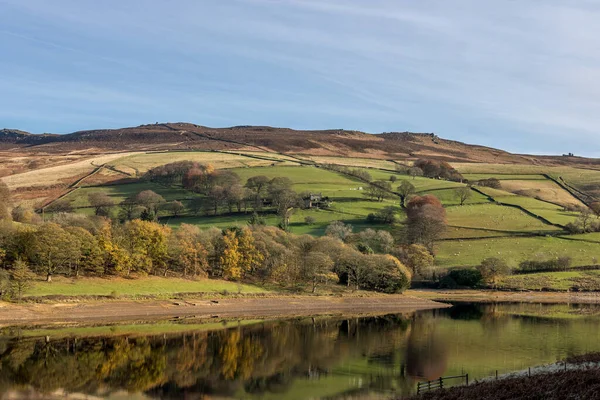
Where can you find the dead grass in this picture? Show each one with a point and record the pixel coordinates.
(544, 190)
(58, 174)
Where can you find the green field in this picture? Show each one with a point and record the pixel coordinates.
(582, 280)
(495, 217)
(151, 285)
(119, 193)
(469, 253)
(553, 213)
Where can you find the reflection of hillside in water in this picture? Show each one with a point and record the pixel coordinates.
(334, 358)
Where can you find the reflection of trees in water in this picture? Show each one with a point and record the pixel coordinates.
(257, 359)
(426, 351)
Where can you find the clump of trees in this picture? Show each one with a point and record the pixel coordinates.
(557, 264)
(96, 246)
(587, 221)
(492, 269)
(438, 170)
(355, 172)
(490, 182)
(426, 220)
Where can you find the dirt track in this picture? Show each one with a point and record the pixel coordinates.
(271, 307)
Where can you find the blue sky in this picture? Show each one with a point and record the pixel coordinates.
(522, 75)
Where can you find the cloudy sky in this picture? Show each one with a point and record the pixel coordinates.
(522, 75)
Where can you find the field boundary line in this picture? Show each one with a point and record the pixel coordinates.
(539, 217)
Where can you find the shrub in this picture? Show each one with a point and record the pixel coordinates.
(309, 220)
(490, 182)
(466, 277)
(558, 264)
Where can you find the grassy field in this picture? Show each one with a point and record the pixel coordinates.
(151, 285)
(545, 190)
(119, 193)
(353, 162)
(582, 280)
(553, 213)
(495, 217)
(469, 253)
(448, 197)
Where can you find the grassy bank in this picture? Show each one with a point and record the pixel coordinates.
(148, 286)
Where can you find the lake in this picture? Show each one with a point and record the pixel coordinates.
(323, 358)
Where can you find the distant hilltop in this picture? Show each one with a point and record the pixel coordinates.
(330, 142)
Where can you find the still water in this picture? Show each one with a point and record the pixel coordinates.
(322, 358)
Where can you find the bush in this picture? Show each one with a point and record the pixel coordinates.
(466, 277)
(490, 182)
(309, 220)
(558, 264)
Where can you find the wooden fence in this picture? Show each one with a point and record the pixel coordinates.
(439, 383)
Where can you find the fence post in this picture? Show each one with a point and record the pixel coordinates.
(467, 377)
(441, 383)
(496, 374)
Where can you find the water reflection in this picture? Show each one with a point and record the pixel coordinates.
(300, 359)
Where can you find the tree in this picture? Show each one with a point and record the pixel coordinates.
(415, 171)
(416, 257)
(5, 201)
(285, 201)
(234, 196)
(339, 230)
(595, 207)
(150, 200)
(258, 186)
(463, 194)
(176, 207)
(21, 278)
(146, 243)
(378, 190)
(101, 202)
(196, 205)
(309, 220)
(404, 190)
(187, 252)
(426, 220)
(352, 268)
(250, 257)
(24, 214)
(129, 209)
(316, 269)
(87, 255)
(216, 195)
(492, 269)
(230, 258)
(51, 249)
(584, 219)
(387, 215)
(379, 241)
(386, 274)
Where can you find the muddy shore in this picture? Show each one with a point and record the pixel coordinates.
(493, 296)
(86, 312)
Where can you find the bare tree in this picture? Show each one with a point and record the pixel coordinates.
(463, 194)
(405, 189)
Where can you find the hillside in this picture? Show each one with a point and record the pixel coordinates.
(337, 142)
(526, 217)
